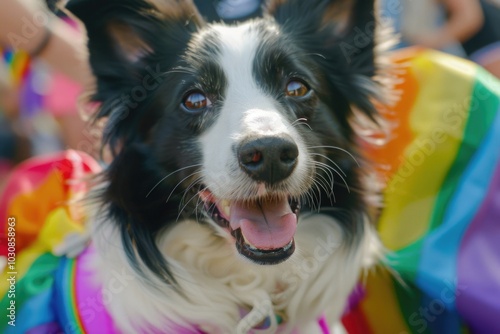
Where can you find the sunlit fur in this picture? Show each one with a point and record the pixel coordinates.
(150, 223)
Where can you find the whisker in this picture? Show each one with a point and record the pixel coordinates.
(185, 206)
(318, 198)
(177, 171)
(324, 186)
(327, 158)
(326, 170)
(336, 172)
(339, 149)
(191, 186)
(317, 55)
(179, 183)
(302, 121)
(182, 70)
(332, 182)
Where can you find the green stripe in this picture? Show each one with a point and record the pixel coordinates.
(409, 298)
(38, 279)
(482, 111)
(405, 261)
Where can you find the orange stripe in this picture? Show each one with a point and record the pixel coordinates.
(397, 116)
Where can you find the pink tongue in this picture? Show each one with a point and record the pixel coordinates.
(270, 225)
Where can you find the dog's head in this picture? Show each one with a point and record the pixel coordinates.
(238, 125)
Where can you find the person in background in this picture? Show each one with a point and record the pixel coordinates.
(43, 69)
(229, 10)
(7, 137)
(475, 24)
(28, 26)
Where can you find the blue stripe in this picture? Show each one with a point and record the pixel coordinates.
(437, 274)
(35, 312)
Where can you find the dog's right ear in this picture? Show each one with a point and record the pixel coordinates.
(131, 44)
(125, 32)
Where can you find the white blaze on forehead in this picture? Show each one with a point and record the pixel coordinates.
(247, 109)
(238, 47)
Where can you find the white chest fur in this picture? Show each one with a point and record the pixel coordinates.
(218, 283)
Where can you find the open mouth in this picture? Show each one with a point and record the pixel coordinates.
(263, 229)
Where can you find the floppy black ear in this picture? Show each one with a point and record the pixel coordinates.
(342, 33)
(131, 43)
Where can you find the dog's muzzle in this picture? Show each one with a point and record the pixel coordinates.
(263, 226)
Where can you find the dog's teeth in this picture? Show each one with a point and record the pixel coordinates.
(287, 247)
(248, 242)
(226, 207)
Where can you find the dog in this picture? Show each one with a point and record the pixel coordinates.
(237, 196)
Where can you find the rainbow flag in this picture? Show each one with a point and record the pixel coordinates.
(441, 215)
(440, 221)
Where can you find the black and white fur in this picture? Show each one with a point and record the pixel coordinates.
(154, 223)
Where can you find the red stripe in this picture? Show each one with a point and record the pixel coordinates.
(355, 322)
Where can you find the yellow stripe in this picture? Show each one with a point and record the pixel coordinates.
(438, 119)
(380, 306)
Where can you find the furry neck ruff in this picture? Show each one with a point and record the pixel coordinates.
(221, 294)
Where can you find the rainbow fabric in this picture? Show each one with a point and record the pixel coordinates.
(441, 219)
(38, 198)
(23, 76)
(441, 216)
(18, 64)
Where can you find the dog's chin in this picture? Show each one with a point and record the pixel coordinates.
(262, 228)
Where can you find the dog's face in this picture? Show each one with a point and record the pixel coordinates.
(239, 126)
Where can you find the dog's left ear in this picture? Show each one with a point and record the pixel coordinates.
(342, 33)
(349, 25)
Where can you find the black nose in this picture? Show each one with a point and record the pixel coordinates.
(268, 159)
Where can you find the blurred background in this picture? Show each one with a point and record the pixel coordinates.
(43, 66)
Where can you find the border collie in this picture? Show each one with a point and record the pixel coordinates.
(235, 196)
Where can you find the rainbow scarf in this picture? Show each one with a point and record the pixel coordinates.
(441, 217)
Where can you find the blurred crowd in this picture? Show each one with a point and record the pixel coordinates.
(44, 69)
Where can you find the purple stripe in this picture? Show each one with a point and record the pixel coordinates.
(323, 325)
(479, 265)
(91, 307)
(50, 328)
(356, 296)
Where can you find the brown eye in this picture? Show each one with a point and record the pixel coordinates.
(196, 101)
(296, 88)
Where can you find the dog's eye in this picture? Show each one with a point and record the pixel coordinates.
(196, 101)
(296, 88)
